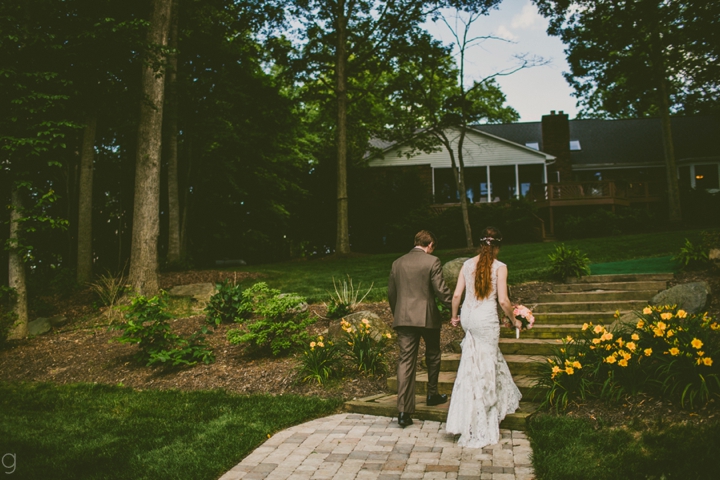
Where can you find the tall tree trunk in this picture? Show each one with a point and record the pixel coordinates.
(342, 243)
(186, 200)
(463, 190)
(146, 208)
(16, 271)
(85, 198)
(674, 210)
(171, 141)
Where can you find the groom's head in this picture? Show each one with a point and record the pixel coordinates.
(425, 238)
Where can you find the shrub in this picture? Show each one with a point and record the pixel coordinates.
(109, 288)
(603, 222)
(345, 299)
(692, 256)
(224, 305)
(277, 323)
(364, 352)
(148, 326)
(8, 297)
(566, 262)
(668, 353)
(320, 361)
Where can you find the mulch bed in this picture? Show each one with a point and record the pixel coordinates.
(84, 351)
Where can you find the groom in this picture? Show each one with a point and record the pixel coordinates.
(415, 281)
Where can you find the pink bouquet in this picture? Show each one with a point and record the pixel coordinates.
(525, 316)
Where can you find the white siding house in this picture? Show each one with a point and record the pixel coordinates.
(495, 168)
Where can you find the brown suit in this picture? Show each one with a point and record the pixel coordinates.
(415, 281)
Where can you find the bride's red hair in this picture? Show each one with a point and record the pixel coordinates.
(489, 248)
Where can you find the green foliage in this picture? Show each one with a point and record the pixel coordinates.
(224, 305)
(566, 262)
(147, 326)
(277, 323)
(365, 353)
(668, 353)
(95, 431)
(8, 297)
(109, 288)
(320, 361)
(692, 256)
(345, 299)
(567, 448)
(603, 222)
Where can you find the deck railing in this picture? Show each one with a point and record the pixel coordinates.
(593, 191)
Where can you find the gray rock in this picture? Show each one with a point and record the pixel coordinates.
(691, 297)
(628, 319)
(451, 270)
(58, 321)
(301, 305)
(198, 291)
(378, 328)
(39, 326)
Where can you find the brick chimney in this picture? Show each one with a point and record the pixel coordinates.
(556, 141)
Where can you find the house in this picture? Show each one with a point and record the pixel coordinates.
(559, 162)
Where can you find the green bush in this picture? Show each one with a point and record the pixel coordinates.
(320, 361)
(668, 353)
(277, 322)
(365, 353)
(692, 257)
(147, 325)
(7, 316)
(224, 305)
(603, 222)
(345, 298)
(566, 262)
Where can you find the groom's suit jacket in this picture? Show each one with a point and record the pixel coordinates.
(415, 280)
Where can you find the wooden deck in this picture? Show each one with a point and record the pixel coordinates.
(611, 193)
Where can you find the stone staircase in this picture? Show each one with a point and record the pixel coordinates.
(593, 299)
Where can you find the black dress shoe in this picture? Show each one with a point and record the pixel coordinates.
(436, 399)
(404, 419)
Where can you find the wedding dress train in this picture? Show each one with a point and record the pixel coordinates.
(484, 391)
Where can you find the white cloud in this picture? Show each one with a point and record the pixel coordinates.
(527, 18)
(503, 32)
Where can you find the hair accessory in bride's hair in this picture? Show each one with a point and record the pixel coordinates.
(489, 240)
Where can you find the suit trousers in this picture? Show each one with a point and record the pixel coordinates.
(409, 342)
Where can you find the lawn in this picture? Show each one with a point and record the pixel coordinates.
(105, 432)
(526, 262)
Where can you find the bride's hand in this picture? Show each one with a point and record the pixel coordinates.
(517, 324)
(455, 321)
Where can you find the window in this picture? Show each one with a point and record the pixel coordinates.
(706, 177)
(575, 145)
(533, 145)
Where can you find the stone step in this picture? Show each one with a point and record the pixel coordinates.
(629, 286)
(544, 331)
(386, 405)
(598, 296)
(562, 318)
(446, 381)
(639, 277)
(611, 306)
(528, 346)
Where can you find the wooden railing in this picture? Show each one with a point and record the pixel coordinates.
(606, 191)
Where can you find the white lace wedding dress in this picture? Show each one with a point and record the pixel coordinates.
(484, 391)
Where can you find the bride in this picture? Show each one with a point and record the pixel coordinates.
(484, 391)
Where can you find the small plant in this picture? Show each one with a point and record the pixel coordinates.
(225, 304)
(8, 296)
(345, 298)
(147, 325)
(319, 361)
(566, 262)
(278, 322)
(109, 288)
(366, 354)
(692, 256)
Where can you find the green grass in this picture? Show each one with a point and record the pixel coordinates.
(638, 265)
(567, 448)
(103, 432)
(526, 262)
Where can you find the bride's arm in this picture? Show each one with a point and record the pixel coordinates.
(455, 320)
(503, 298)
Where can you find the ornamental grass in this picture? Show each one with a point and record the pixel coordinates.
(668, 353)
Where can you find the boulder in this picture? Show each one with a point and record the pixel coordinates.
(301, 305)
(58, 321)
(39, 326)
(451, 270)
(691, 297)
(199, 291)
(629, 319)
(378, 328)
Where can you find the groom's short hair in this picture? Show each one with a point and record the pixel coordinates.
(424, 238)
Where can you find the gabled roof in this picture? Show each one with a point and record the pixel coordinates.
(626, 142)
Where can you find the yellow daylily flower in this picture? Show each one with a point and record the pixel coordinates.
(647, 310)
(696, 343)
(556, 369)
(596, 341)
(670, 333)
(681, 314)
(569, 370)
(707, 361)
(320, 344)
(700, 353)
(312, 344)
(577, 364)
(647, 352)
(622, 362)
(631, 346)
(585, 326)
(610, 359)
(635, 337)
(598, 329)
(666, 316)
(640, 324)
(674, 351)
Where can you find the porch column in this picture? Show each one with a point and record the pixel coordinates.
(432, 174)
(517, 181)
(692, 176)
(489, 194)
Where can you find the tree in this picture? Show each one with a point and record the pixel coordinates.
(146, 210)
(643, 58)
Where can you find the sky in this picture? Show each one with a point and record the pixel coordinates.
(533, 92)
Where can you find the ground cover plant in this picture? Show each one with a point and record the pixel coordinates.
(108, 432)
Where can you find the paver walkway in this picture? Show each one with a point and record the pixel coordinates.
(355, 446)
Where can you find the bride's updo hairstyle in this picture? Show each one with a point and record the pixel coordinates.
(488, 251)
